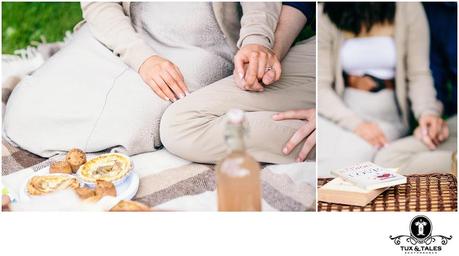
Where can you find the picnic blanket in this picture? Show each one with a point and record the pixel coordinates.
(168, 182)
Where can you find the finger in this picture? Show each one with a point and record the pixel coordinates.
(170, 81)
(164, 88)
(180, 80)
(157, 90)
(238, 81)
(433, 129)
(307, 147)
(423, 123)
(382, 141)
(239, 61)
(251, 75)
(262, 64)
(256, 87)
(440, 124)
(428, 142)
(382, 138)
(268, 77)
(371, 137)
(297, 137)
(374, 142)
(291, 114)
(277, 69)
(444, 133)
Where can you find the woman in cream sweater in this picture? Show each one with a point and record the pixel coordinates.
(129, 61)
(373, 76)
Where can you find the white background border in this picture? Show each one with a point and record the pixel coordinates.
(134, 234)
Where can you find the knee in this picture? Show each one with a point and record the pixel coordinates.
(384, 157)
(17, 112)
(175, 131)
(394, 155)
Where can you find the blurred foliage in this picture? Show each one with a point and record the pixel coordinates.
(24, 22)
(307, 32)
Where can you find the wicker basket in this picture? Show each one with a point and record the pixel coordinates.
(430, 192)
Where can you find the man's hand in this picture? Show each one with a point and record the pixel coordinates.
(306, 132)
(255, 64)
(432, 131)
(164, 77)
(372, 134)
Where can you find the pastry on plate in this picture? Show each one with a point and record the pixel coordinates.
(130, 206)
(75, 157)
(85, 193)
(60, 167)
(44, 184)
(105, 188)
(111, 167)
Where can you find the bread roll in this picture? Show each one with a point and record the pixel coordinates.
(75, 157)
(130, 206)
(60, 167)
(85, 193)
(105, 188)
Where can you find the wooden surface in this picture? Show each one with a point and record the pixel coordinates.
(430, 192)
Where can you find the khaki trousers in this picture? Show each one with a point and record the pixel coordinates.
(193, 127)
(413, 157)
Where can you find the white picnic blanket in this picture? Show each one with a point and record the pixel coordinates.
(171, 183)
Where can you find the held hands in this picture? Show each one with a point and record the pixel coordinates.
(164, 77)
(372, 134)
(432, 131)
(306, 132)
(255, 66)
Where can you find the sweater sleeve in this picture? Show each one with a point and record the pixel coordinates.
(421, 91)
(330, 104)
(258, 23)
(112, 27)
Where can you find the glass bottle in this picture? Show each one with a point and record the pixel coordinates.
(238, 174)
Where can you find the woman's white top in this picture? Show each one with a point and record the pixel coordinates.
(374, 56)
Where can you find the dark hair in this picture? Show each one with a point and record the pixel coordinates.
(355, 16)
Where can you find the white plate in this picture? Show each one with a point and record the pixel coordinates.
(115, 182)
(124, 191)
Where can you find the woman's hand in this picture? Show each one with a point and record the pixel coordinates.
(164, 77)
(306, 132)
(254, 64)
(432, 131)
(372, 134)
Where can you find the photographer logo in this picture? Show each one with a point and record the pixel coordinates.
(421, 240)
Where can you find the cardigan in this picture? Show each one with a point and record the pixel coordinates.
(414, 88)
(110, 23)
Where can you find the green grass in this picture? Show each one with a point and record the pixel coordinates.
(24, 22)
